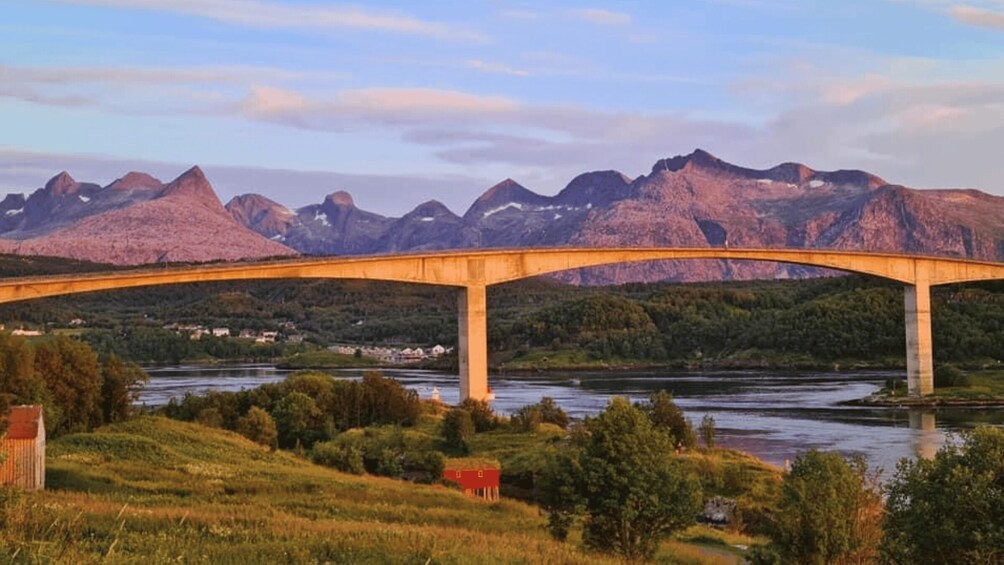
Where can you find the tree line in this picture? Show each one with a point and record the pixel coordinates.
(79, 389)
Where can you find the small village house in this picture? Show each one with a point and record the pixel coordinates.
(221, 332)
(475, 477)
(23, 447)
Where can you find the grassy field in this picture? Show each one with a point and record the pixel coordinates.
(155, 490)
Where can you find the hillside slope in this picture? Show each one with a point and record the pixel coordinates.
(158, 490)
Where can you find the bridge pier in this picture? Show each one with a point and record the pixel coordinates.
(472, 314)
(919, 351)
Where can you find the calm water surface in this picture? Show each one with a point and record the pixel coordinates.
(774, 415)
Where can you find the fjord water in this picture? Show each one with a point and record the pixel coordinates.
(774, 415)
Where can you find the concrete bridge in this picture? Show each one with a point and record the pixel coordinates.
(471, 271)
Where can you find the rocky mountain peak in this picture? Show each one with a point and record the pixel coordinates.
(340, 199)
(62, 184)
(194, 187)
(136, 181)
(431, 209)
(794, 173)
(598, 188)
(698, 159)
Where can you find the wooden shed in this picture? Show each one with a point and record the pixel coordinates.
(477, 477)
(24, 448)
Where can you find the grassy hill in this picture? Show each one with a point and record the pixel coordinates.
(158, 490)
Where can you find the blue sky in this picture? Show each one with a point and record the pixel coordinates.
(400, 102)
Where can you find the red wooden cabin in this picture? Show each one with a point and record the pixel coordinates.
(24, 447)
(481, 480)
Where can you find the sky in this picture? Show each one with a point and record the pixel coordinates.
(402, 102)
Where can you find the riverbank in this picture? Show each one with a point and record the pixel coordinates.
(977, 389)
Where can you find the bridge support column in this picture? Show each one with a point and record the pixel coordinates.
(472, 311)
(919, 352)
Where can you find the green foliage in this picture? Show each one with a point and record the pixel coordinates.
(949, 509)
(708, 431)
(946, 375)
(626, 481)
(297, 419)
(829, 511)
(120, 386)
(157, 490)
(482, 415)
(458, 429)
(258, 426)
(72, 375)
(666, 416)
(346, 457)
(530, 417)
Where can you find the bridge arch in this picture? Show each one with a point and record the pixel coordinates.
(473, 270)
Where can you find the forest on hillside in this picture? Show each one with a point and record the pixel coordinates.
(537, 323)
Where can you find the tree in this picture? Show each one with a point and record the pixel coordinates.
(482, 415)
(708, 431)
(72, 375)
(830, 511)
(119, 388)
(458, 427)
(627, 481)
(667, 416)
(258, 426)
(297, 420)
(528, 418)
(949, 509)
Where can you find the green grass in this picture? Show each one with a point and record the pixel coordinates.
(981, 387)
(157, 490)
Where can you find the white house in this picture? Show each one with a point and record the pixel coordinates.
(221, 332)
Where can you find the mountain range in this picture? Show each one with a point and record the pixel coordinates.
(687, 201)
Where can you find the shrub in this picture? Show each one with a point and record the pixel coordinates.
(665, 415)
(830, 511)
(458, 427)
(530, 417)
(708, 431)
(298, 420)
(259, 427)
(210, 417)
(949, 509)
(345, 457)
(626, 480)
(482, 415)
(949, 375)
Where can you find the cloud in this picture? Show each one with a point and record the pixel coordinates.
(601, 17)
(387, 107)
(496, 68)
(977, 17)
(275, 15)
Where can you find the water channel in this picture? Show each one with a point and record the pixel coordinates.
(774, 415)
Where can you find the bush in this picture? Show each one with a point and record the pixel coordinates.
(666, 415)
(830, 511)
(949, 509)
(626, 480)
(949, 375)
(458, 427)
(347, 457)
(708, 431)
(259, 427)
(425, 466)
(482, 415)
(530, 417)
